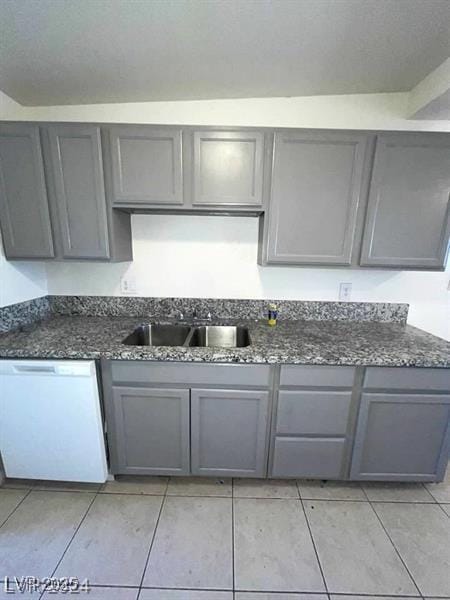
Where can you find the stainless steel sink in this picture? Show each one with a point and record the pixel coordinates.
(154, 334)
(220, 336)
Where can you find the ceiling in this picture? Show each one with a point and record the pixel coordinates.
(91, 51)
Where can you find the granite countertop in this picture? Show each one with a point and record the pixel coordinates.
(290, 341)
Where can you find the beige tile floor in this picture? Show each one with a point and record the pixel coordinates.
(187, 539)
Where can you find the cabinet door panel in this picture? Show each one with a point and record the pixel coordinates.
(316, 185)
(229, 432)
(146, 165)
(408, 214)
(79, 188)
(151, 431)
(315, 458)
(228, 168)
(401, 437)
(24, 213)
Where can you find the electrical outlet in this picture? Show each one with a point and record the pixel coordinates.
(345, 292)
(128, 285)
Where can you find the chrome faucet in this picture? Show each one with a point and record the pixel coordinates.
(198, 317)
(176, 314)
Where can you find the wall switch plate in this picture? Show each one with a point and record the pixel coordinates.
(345, 292)
(128, 285)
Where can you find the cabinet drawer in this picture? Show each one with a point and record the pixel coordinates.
(407, 379)
(317, 376)
(316, 458)
(313, 412)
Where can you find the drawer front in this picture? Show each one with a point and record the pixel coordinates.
(407, 379)
(313, 412)
(142, 372)
(315, 458)
(317, 376)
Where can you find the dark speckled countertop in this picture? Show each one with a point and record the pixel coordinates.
(290, 341)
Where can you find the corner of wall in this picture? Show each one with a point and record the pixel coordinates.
(21, 280)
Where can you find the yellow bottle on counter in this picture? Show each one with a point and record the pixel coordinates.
(273, 314)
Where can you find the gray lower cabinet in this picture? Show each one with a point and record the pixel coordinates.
(319, 181)
(312, 421)
(229, 432)
(408, 222)
(24, 212)
(402, 436)
(150, 431)
(145, 166)
(228, 169)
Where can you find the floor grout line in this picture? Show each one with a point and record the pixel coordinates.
(16, 507)
(152, 541)
(440, 504)
(393, 545)
(314, 546)
(71, 539)
(428, 492)
(172, 495)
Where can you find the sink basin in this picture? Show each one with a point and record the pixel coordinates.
(221, 336)
(158, 335)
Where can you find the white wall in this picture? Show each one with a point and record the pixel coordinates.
(20, 280)
(199, 256)
(216, 256)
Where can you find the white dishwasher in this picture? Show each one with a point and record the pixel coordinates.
(51, 424)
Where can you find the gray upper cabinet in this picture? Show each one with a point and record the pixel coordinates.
(228, 169)
(79, 190)
(146, 165)
(24, 213)
(408, 213)
(318, 180)
(149, 431)
(229, 432)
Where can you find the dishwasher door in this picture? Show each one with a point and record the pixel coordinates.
(51, 421)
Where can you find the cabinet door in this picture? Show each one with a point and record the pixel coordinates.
(228, 168)
(24, 213)
(317, 180)
(229, 432)
(150, 434)
(401, 437)
(408, 214)
(77, 170)
(146, 165)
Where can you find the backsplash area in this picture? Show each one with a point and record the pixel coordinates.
(24, 313)
(215, 257)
